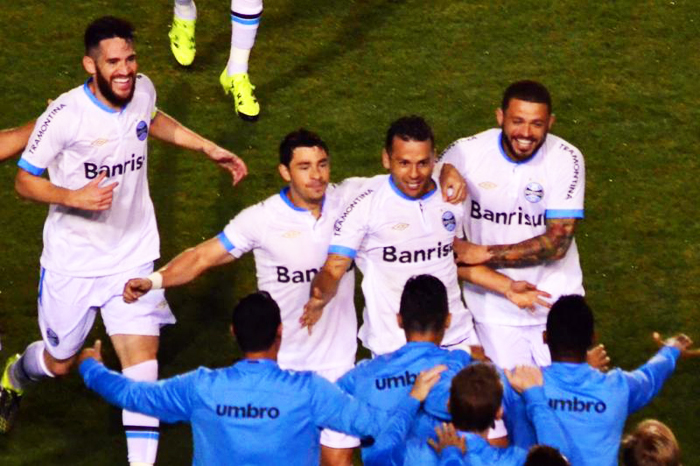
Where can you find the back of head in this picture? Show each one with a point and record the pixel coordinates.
(651, 444)
(299, 138)
(255, 320)
(475, 397)
(570, 327)
(424, 305)
(543, 455)
(409, 128)
(106, 27)
(529, 91)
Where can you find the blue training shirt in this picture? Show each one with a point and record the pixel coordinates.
(592, 406)
(252, 412)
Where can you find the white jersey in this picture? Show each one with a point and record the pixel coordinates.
(395, 237)
(290, 245)
(76, 138)
(510, 202)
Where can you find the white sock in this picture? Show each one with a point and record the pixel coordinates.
(141, 431)
(30, 367)
(245, 17)
(185, 9)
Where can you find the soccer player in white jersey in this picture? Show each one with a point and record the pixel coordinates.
(526, 190)
(245, 18)
(101, 228)
(396, 227)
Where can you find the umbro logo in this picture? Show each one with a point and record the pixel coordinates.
(400, 226)
(487, 185)
(99, 142)
(291, 234)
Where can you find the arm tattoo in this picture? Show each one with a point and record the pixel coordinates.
(550, 246)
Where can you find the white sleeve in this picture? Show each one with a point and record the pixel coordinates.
(569, 174)
(52, 131)
(244, 232)
(352, 225)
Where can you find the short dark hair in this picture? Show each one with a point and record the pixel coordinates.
(424, 305)
(529, 91)
(543, 455)
(107, 27)
(409, 128)
(570, 327)
(255, 321)
(299, 138)
(475, 397)
(651, 444)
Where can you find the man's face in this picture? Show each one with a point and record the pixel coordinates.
(308, 174)
(525, 126)
(411, 166)
(115, 70)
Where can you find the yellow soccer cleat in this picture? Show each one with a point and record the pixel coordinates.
(10, 397)
(182, 40)
(244, 101)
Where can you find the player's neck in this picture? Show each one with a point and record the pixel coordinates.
(267, 354)
(314, 207)
(96, 92)
(425, 337)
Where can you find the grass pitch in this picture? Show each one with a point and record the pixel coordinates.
(622, 75)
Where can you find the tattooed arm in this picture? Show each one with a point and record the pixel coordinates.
(550, 246)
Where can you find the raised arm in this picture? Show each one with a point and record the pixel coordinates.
(324, 287)
(184, 268)
(13, 140)
(166, 128)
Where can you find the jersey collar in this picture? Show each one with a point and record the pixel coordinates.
(97, 101)
(284, 194)
(401, 194)
(505, 156)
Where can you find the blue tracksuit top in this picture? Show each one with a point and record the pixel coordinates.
(251, 413)
(592, 406)
(385, 380)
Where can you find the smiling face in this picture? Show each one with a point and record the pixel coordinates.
(411, 166)
(308, 174)
(113, 67)
(525, 126)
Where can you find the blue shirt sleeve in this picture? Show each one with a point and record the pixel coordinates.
(169, 400)
(391, 442)
(646, 382)
(452, 456)
(547, 426)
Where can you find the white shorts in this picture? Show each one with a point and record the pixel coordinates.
(67, 308)
(509, 346)
(472, 339)
(331, 438)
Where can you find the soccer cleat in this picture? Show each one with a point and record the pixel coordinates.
(10, 397)
(244, 101)
(182, 40)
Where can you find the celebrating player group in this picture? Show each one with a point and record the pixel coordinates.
(483, 346)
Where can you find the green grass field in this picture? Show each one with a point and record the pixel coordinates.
(622, 75)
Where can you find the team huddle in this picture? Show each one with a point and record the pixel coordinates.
(483, 348)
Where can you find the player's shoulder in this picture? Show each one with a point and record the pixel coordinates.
(262, 210)
(558, 145)
(144, 84)
(367, 191)
(467, 145)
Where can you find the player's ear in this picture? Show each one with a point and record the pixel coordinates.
(448, 320)
(499, 413)
(233, 334)
(499, 116)
(284, 172)
(279, 331)
(399, 319)
(544, 337)
(89, 65)
(386, 161)
(552, 119)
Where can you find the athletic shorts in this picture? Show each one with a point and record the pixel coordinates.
(67, 308)
(471, 339)
(510, 346)
(331, 438)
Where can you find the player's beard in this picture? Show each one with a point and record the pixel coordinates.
(106, 90)
(511, 149)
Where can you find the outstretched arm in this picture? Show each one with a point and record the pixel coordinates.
(184, 268)
(521, 293)
(324, 287)
(166, 128)
(547, 247)
(13, 140)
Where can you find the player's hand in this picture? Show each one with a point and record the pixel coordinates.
(95, 352)
(228, 161)
(447, 437)
(469, 253)
(425, 381)
(680, 341)
(313, 309)
(525, 295)
(452, 185)
(597, 358)
(135, 288)
(92, 196)
(523, 377)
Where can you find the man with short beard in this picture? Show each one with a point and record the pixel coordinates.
(526, 189)
(101, 227)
